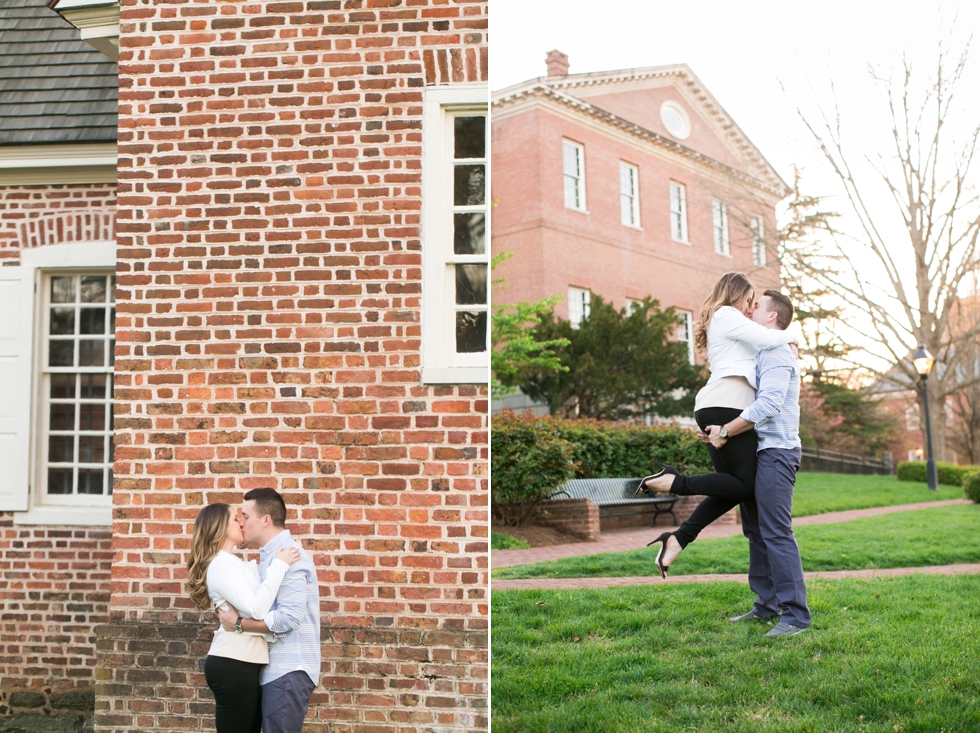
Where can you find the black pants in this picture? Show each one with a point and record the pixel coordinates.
(237, 693)
(732, 483)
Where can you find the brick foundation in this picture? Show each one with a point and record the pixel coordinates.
(576, 516)
(54, 593)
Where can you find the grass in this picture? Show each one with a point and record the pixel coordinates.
(500, 541)
(817, 493)
(888, 655)
(937, 536)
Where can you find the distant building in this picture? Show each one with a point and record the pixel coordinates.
(626, 184)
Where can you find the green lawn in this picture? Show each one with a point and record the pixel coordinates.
(890, 655)
(817, 493)
(937, 536)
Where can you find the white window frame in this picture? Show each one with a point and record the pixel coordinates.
(685, 331)
(579, 305)
(678, 212)
(632, 305)
(629, 194)
(758, 241)
(441, 364)
(719, 220)
(35, 264)
(578, 177)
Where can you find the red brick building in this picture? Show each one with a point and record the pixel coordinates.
(626, 184)
(299, 275)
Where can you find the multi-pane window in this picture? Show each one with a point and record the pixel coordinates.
(76, 385)
(678, 212)
(758, 242)
(579, 305)
(629, 194)
(720, 220)
(469, 264)
(573, 168)
(685, 332)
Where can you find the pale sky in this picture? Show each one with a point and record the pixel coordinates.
(746, 52)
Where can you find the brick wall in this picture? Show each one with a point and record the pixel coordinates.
(32, 216)
(54, 593)
(576, 516)
(268, 334)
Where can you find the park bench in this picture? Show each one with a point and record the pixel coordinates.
(619, 495)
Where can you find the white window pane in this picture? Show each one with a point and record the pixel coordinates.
(678, 213)
(574, 178)
(578, 305)
(571, 193)
(570, 161)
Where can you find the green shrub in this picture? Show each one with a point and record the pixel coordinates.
(616, 450)
(971, 486)
(529, 460)
(500, 541)
(949, 474)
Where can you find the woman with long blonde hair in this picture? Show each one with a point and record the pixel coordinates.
(216, 577)
(724, 332)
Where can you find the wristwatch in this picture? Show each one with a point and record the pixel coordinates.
(723, 432)
(238, 625)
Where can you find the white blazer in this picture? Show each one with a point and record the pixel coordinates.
(734, 341)
(232, 580)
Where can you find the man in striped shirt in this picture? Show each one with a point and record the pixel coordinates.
(775, 570)
(293, 671)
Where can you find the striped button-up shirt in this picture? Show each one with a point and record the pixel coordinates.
(295, 614)
(776, 410)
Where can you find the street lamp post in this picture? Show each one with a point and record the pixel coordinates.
(923, 365)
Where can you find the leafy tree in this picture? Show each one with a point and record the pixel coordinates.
(514, 350)
(617, 365)
(837, 416)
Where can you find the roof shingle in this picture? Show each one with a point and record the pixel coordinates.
(54, 87)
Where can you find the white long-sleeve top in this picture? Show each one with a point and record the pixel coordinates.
(232, 580)
(734, 341)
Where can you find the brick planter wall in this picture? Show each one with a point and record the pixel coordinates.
(268, 335)
(643, 515)
(575, 516)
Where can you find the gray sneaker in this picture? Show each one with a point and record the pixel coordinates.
(785, 629)
(754, 613)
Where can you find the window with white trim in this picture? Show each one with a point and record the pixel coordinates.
(579, 305)
(75, 380)
(573, 174)
(456, 264)
(720, 220)
(685, 332)
(629, 194)
(56, 384)
(678, 212)
(633, 305)
(758, 242)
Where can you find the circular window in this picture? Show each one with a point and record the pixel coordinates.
(675, 120)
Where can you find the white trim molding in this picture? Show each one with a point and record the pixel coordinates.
(25, 165)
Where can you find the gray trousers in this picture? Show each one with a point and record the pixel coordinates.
(285, 701)
(775, 570)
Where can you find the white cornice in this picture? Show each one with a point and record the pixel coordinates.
(692, 88)
(96, 20)
(517, 98)
(25, 165)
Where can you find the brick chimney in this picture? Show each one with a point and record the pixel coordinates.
(557, 63)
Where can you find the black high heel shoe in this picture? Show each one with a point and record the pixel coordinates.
(664, 470)
(662, 539)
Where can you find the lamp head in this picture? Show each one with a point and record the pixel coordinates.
(923, 361)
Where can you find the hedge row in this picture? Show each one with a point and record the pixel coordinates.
(949, 474)
(527, 449)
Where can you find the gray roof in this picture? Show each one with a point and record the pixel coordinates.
(54, 87)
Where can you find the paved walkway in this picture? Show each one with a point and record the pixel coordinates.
(619, 540)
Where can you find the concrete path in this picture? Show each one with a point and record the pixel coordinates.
(633, 539)
(572, 583)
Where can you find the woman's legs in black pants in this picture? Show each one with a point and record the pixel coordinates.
(237, 694)
(732, 483)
